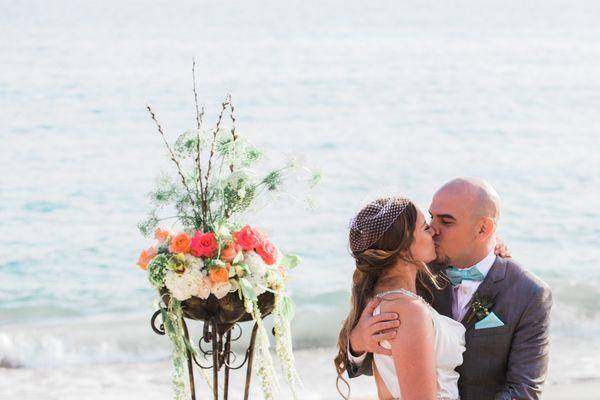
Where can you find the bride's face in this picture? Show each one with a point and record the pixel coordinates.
(423, 248)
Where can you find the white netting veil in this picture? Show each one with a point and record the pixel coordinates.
(373, 220)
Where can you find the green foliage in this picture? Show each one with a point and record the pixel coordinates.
(147, 225)
(287, 307)
(247, 289)
(291, 261)
(164, 192)
(186, 145)
(273, 180)
(157, 270)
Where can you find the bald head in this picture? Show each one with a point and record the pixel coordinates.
(477, 194)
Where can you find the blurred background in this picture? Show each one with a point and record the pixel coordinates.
(383, 97)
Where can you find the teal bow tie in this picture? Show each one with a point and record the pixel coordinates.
(456, 275)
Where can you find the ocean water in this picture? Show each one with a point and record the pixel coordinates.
(383, 97)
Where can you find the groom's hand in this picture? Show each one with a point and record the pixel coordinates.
(370, 330)
(501, 249)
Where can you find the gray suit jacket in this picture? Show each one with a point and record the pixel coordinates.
(507, 362)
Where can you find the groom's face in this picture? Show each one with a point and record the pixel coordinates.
(454, 229)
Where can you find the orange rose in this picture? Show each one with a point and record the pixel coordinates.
(219, 274)
(180, 244)
(162, 234)
(229, 253)
(145, 257)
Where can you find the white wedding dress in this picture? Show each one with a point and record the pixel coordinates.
(449, 347)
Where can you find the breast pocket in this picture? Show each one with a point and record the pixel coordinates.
(500, 330)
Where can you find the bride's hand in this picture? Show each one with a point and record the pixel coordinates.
(501, 249)
(370, 330)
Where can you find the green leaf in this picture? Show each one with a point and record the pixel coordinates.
(245, 268)
(238, 258)
(288, 308)
(216, 264)
(291, 261)
(231, 272)
(247, 289)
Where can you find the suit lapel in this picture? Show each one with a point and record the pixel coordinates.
(442, 300)
(490, 286)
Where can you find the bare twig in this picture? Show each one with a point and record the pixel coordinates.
(173, 157)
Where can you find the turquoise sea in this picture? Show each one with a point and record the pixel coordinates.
(382, 97)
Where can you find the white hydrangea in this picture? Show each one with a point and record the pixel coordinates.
(258, 269)
(188, 284)
(220, 289)
(194, 263)
(224, 232)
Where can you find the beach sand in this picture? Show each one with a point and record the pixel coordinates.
(151, 380)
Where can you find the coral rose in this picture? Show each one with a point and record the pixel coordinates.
(162, 234)
(180, 244)
(219, 274)
(229, 253)
(281, 270)
(268, 252)
(204, 244)
(247, 237)
(145, 257)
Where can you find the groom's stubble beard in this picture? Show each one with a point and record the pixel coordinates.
(441, 259)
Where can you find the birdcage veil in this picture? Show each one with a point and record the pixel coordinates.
(373, 220)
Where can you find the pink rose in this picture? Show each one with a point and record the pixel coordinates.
(247, 237)
(204, 244)
(268, 252)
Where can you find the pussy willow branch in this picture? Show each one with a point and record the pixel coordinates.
(173, 157)
(214, 139)
(233, 131)
(199, 115)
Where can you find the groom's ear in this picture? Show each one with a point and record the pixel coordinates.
(487, 227)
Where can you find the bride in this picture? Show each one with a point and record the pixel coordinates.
(391, 244)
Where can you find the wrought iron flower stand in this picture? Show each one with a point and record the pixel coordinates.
(220, 320)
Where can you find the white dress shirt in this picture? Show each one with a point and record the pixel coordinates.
(461, 298)
(464, 291)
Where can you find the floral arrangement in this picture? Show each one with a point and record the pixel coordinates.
(209, 250)
(215, 263)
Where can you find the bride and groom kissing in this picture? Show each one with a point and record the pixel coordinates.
(439, 310)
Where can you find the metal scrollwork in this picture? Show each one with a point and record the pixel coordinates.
(215, 349)
(160, 330)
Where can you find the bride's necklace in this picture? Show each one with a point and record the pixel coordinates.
(404, 292)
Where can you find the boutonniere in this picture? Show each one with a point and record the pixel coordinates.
(480, 307)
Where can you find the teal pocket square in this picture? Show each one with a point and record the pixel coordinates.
(491, 321)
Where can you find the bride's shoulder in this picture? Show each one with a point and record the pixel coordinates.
(404, 305)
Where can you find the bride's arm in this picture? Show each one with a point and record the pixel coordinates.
(413, 350)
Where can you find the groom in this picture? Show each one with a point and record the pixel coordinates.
(507, 350)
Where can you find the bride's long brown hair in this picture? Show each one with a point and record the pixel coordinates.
(373, 263)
